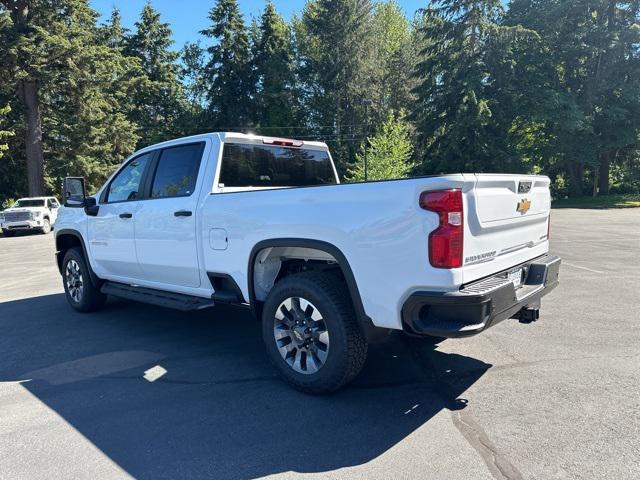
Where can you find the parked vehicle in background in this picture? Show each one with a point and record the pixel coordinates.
(263, 222)
(37, 213)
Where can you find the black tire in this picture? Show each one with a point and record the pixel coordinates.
(46, 226)
(8, 233)
(346, 351)
(85, 299)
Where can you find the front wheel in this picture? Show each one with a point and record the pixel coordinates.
(311, 333)
(80, 291)
(46, 226)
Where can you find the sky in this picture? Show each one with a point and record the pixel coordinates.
(188, 17)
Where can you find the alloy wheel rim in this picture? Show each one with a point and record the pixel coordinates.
(301, 335)
(75, 282)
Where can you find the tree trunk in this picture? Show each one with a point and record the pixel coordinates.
(28, 94)
(35, 158)
(574, 177)
(603, 176)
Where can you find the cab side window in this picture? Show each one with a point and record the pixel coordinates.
(51, 203)
(177, 171)
(126, 185)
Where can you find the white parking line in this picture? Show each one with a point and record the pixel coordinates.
(582, 268)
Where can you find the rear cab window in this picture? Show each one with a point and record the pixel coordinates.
(246, 166)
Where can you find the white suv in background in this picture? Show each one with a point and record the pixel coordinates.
(37, 213)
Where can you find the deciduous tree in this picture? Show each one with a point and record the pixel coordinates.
(595, 75)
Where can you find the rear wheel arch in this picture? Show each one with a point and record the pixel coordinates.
(318, 245)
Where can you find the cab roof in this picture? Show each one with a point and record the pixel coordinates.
(235, 137)
(36, 198)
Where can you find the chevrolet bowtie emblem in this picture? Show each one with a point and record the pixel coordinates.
(523, 206)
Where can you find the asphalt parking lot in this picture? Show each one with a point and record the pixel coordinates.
(558, 399)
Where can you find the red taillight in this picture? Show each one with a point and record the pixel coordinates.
(284, 142)
(445, 242)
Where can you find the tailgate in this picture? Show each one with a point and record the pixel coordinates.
(507, 223)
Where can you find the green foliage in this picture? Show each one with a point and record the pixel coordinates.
(388, 152)
(610, 201)
(546, 86)
(457, 106)
(193, 75)
(335, 66)
(158, 102)
(588, 68)
(7, 202)
(395, 50)
(4, 134)
(88, 131)
(273, 62)
(228, 69)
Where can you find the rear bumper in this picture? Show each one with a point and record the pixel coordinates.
(482, 304)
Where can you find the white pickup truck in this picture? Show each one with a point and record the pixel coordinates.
(36, 213)
(264, 223)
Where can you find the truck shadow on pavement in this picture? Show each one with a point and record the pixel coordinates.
(215, 407)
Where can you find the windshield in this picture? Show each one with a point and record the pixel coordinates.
(28, 203)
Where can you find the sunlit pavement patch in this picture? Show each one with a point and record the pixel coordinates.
(154, 373)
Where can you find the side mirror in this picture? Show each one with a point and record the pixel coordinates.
(73, 192)
(91, 206)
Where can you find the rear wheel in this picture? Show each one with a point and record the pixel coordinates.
(81, 293)
(8, 233)
(311, 333)
(46, 226)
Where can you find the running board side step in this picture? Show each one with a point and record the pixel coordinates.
(177, 301)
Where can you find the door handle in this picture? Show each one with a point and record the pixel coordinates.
(182, 213)
(126, 215)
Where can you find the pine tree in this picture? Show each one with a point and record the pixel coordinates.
(159, 101)
(273, 61)
(228, 71)
(27, 50)
(336, 62)
(112, 33)
(388, 152)
(87, 129)
(70, 88)
(455, 107)
(193, 79)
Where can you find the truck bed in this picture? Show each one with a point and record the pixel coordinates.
(383, 232)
